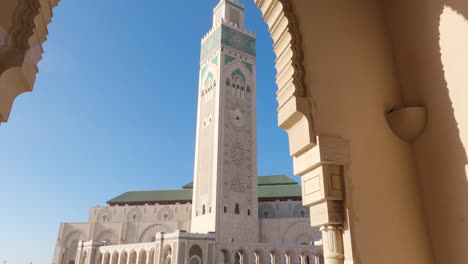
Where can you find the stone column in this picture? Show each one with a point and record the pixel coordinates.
(332, 236)
(323, 190)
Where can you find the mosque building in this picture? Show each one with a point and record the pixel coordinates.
(227, 214)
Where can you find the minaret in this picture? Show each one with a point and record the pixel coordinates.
(225, 175)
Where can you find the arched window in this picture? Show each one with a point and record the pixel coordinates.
(236, 209)
(266, 214)
(225, 209)
(134, 217)
(248, 211)
(203, 210)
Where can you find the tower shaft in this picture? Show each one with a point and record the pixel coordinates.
(225, 175)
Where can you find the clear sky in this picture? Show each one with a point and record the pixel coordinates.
(113, 110)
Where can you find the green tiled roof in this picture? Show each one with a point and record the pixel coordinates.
(262, 180)
(275, 180)
(277, 191)
(269, 187)
(153, 196)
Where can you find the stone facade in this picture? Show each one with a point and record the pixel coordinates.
(282, 224)
(227, 223)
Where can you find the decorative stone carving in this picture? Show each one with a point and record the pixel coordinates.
(134, 215)
(294, 109)
(332, 244)
(165, 214)
(108, 236)
(105, 215)
(22, 51)
(266, 211)
(149, 234)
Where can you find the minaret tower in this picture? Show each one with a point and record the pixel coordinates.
(225, 175)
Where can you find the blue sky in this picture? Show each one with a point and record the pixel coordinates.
(113, 110)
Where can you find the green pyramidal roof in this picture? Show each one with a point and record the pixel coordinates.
(269, 188)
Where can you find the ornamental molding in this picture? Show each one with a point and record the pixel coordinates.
(294, 112)
(23, 22)
(23, 50)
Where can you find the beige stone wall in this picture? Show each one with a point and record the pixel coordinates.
(139, 224)
(351, 82)
(430, 40)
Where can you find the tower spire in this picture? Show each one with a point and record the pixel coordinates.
(230, 12)
(225, 175)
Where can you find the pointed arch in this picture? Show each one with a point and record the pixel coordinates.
(238, 72)
(142, 256)
(195, 254)
(224, 257)
(266, 211)
(132, 257)
(123, 257)
(167, 255)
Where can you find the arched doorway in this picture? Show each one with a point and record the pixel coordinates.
(83, 257)
(167, 255)
(133, 257)
(240, 257)
(258, 256)
(115, 258)
(123, 257)
(224, 257)
(142, 257)
(195, 255)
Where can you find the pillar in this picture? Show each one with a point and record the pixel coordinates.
(332, 243)
(323, 190)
